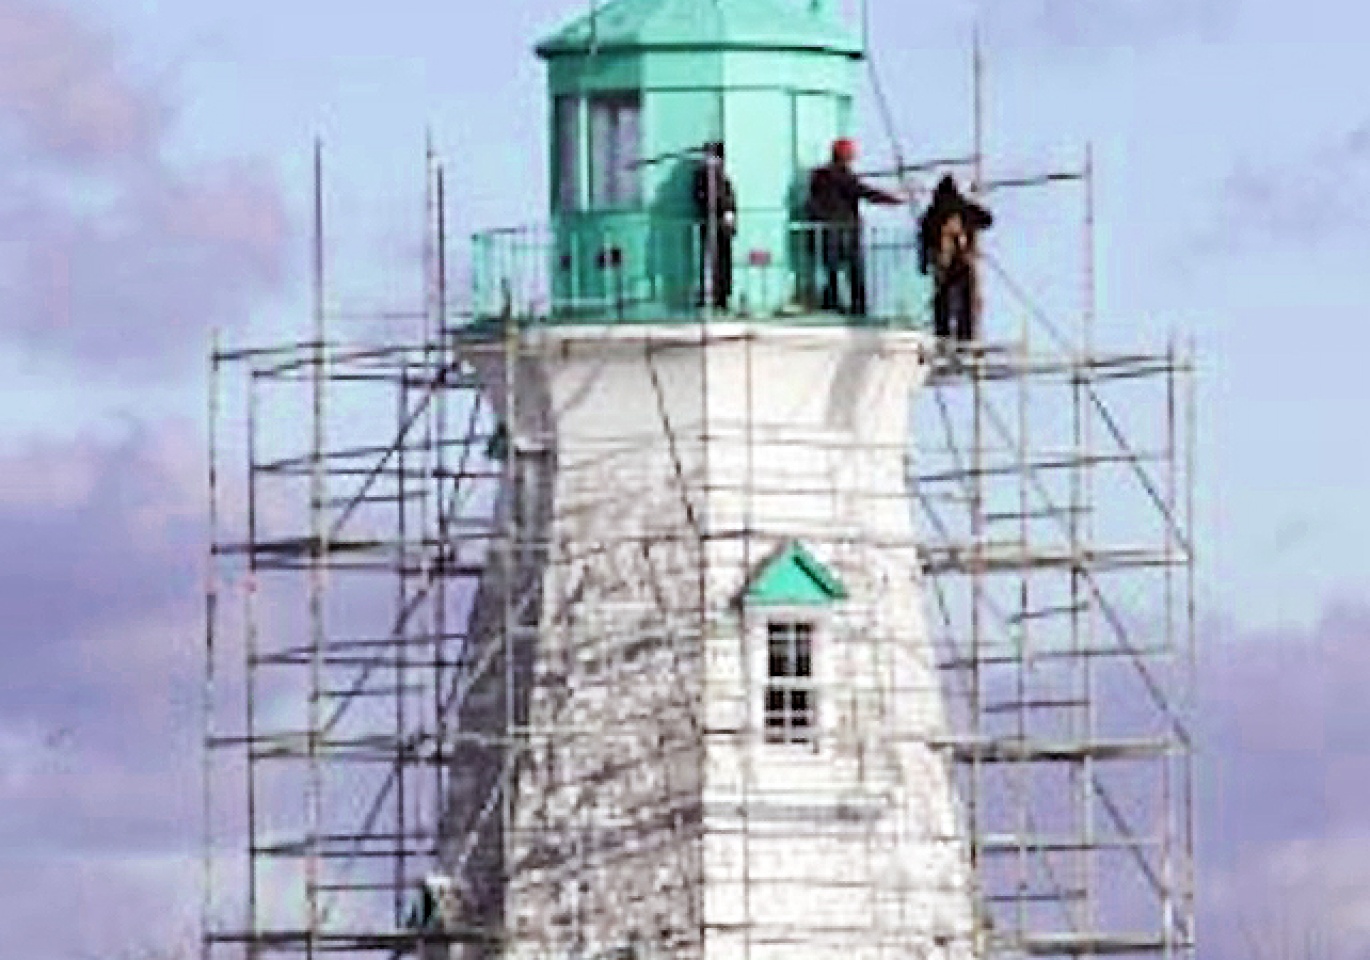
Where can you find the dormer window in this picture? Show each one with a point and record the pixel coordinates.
(792, 595)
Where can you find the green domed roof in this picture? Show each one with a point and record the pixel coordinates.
(702, 24)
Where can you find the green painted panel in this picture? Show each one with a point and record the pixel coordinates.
(604, 72)
(637, 24)
(817, 124)
(758, 161)
(795, 578)
(757, 127)
(677, 124)
(682, 69)
(788, 69)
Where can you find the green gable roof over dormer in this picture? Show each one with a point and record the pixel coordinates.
(794, 577)
(622, 25)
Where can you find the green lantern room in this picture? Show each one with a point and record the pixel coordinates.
(637, 88)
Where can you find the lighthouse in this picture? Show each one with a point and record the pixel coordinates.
(697, 707)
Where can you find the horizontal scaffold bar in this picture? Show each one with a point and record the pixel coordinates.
(1012, 557)
(1013, 749)
(294, 941)
(1085, 944)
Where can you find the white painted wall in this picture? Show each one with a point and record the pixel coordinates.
(647, 804)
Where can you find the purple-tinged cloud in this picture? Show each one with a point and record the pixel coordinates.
(94, 572)
(1285, 764)
(140, 284)
(98, 757)
(102, 543)
(1109, 23)
(110, 257)
(62, 92)
(1317, 196)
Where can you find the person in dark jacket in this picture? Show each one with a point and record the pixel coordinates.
(947, 246)
(716, 209)
(835, 195)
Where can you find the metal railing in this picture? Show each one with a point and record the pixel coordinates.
(639, 267)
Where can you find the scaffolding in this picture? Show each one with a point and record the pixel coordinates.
(1059, 551)
(400, 544)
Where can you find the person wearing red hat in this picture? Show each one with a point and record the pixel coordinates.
(835, 195)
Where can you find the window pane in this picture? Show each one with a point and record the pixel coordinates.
(615, 149)
(803, 650)
(567, 172)
(600, 160)
(627, 153)
(778, 650)
(789, 715)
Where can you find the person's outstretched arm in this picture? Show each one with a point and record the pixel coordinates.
(875, 194)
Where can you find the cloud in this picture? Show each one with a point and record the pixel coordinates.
(1285, 765)
(1109, 23)
(1314, 198)
(98, 698)
(132, 907)
(63, 93)
(141, 283)
(1302, 899)
(1130, 22)
(108, 550)
(110, 257)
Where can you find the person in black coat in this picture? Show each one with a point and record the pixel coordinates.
(716, 209)
(835, 195)
(947, 246)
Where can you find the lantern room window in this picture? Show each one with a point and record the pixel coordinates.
(615, 150)
(600, 135)
(566, 169)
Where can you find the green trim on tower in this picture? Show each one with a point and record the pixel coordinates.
(704, 24)
(795, 578)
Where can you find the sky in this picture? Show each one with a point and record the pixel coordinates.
(154, 185)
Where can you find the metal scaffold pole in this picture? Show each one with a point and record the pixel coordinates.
(211, 574)
(317, 555)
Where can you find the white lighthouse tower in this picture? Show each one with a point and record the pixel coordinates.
(697, 709)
